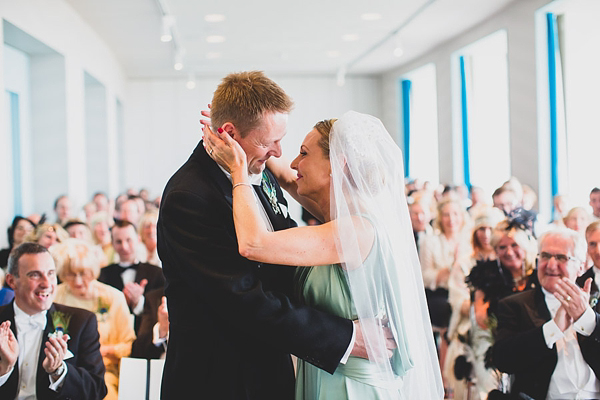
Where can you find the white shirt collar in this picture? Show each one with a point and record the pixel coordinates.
(552, 302)
(254, 179)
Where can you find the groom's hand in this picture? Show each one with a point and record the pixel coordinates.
(360, 346)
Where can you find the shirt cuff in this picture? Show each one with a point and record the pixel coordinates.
(156, 339)
(552, 333)
(58, 384)
(344, 359)
(5, 377)
(586, 324)
(139, 308)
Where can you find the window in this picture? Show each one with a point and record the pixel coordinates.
(419, 122)
(484, 112)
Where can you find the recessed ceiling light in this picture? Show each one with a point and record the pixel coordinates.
(213, 55)
(215, 39)
(333, 53)
(350, 37)
(370, 17)
(214, 18)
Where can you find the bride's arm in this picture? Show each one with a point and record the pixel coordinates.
(286, 177)
(303, 246)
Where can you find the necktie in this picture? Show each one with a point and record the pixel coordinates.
(27, 323)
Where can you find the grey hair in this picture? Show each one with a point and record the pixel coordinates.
(579, 246)
(16, 254)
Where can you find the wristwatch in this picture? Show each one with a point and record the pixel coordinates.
(59, 371)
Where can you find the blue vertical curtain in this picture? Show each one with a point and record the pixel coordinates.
(465, 122)
(406, 86)
(552, 76)
(16, 152)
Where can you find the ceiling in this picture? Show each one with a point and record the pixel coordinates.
(277, 36)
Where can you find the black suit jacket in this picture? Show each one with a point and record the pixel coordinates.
(521, 350)
(232, 323)
(142, 346)
(589, 274)
(111, 275)
(85, 371)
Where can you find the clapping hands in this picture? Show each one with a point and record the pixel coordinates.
(9, 348)
(56, 348)
(574, 301)
(133, 292)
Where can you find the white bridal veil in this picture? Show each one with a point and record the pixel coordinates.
(368, 181)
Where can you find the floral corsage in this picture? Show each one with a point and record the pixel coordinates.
(60, 321)
(102, 310)
(594, 300)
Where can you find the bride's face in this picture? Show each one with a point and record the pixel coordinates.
(314, 169)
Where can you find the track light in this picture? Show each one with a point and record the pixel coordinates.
(178, 63)
(167, 24)
(191, 82)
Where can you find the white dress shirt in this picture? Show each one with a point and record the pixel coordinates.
(30, 330)
(596, 275)
(256, 180)
(572, 378)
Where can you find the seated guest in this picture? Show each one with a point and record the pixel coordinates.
(48, 235)
(62, 208)
(17, 232)
(78, 268)
(134, 278)
(595, 202)
(147, 227)
(492, 280)
(560, 210)
(459, 296)
(100, 227)
(505, 199)
(6, 293)
(78, 229)
(131, 210)
(592, 236)
(577, 219)
(101, 202)
(151, 341)
(419, 208)
(47, 350)
(89, 209)
(548, 338)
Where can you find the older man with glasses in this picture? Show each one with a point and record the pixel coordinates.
(548, 338)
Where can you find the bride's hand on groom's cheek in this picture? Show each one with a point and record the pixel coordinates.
(360, 345)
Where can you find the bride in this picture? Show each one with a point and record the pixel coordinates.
(361, 263)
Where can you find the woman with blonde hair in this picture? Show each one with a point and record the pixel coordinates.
(78, 267)
(48, 235)
(490, 281)
(577, 219)
(459, 295)
(100, 226)
(147, 229)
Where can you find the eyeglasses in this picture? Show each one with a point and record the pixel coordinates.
(85, 274)
(560, 258)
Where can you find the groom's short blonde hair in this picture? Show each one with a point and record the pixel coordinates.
(242, 98)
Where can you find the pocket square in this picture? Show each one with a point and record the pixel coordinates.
(68, 355)
(283, 209)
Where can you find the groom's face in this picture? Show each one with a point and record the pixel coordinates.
(263, 142)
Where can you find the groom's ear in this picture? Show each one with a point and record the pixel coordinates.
(230, 129)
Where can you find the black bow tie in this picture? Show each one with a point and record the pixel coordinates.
(125, 268)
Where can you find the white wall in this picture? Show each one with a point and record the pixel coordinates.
(518, 20)
(162, 128)
(59, 27)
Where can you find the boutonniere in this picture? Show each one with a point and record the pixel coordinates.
(60, 321)
(594, 299)
(102, 310)
(269, 190)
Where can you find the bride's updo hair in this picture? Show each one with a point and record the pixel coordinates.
(324, 129)
(242, 98)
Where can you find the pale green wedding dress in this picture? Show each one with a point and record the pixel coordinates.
(325, 288)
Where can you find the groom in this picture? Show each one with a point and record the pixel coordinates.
(233, 322)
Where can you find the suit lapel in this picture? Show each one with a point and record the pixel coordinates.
(41, 380)
(11, 386)
(539, 312)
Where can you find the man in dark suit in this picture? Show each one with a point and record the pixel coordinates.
(549, 337)
(151, 341)
(233, 322)
(132, 277)
(47, 350)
